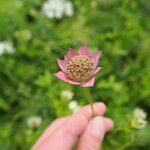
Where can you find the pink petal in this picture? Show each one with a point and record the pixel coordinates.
(95, 58)
(84, 50)
(97, 70)
(61, 64)
(70, 54)
(61, 75)
(89, 83)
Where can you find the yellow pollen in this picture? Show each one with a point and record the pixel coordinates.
(79, 68)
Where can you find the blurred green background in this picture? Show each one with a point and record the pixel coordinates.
(32, 37)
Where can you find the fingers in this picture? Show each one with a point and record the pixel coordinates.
(49, 131)
(61, 135)
(77, 123)
(109, 123)
(93, 136)
(99, 109)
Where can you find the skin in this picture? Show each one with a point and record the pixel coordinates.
(80, 128)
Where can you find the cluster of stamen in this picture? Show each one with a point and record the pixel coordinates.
(79, 68)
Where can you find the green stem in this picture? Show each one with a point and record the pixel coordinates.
(90, 99)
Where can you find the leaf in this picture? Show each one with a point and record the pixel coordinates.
(3, 105)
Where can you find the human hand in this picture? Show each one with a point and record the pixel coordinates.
(80, 127)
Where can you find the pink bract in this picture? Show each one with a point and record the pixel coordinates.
(80, 67)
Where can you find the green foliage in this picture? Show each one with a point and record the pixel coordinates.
(119, 28)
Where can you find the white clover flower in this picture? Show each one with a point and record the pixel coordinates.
(57, 8)
(34, 121)
(73, 106)
(138, 120)
(66, 95)
(6, 47)
(140, 113)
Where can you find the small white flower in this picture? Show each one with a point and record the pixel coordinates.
(138, 120)
(34, 121)
(57, 8)
(138, 123)
(140, 113)
(66, 95)
(6, 47)
(73, 106)
(68, 8)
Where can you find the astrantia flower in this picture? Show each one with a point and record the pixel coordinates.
(79, 67)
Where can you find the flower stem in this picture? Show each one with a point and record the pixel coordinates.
(90, 99)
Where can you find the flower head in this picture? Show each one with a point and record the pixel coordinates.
(79, 67)
(57, 8)
(34, 121)
(6, 47)
(73, 106)
(67, 95)
(139, 119)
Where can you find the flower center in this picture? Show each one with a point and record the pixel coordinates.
(79, 68)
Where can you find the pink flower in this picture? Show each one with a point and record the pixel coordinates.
(79, 67)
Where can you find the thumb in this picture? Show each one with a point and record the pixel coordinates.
(93, 136)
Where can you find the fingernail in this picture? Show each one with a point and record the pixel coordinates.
(98, 127)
